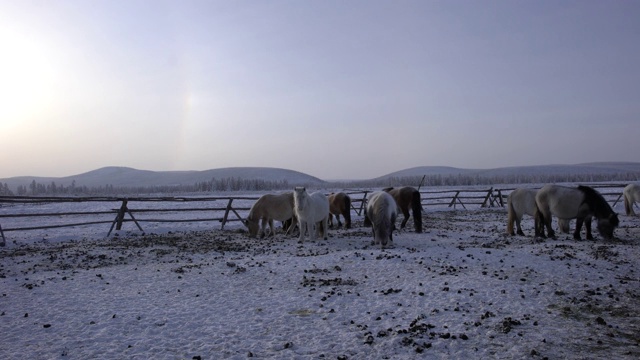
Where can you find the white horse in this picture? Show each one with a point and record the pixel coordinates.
(381, 213)
(311, 210)
(631, 195)
(270, 207)
(581, 203)
(523, 201)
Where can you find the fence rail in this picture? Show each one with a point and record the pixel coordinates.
(223, 209)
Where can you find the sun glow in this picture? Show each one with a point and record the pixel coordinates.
(27, 78)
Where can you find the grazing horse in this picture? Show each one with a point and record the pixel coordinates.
(631, 195)
(380, 212)
(269, 207)
(581, 203)
(523, 201)
(340, 204)
(311, 210)
(407, 196)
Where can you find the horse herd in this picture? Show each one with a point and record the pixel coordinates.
(582, 203)
(313, 213)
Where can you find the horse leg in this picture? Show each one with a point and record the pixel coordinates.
(292, 225)
(576, 234)
(519, 229)
(272, 232)
(331, 220)
(587, 225)
(546, 223)
(312, 227)
(303, 227)
(550, 231)
(406, 218)
(324, 228)
(263, 227)
(338, 220)
(539, 224)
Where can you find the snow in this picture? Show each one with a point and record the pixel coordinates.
(461, 289)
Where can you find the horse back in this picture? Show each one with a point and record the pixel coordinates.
(403, 196)
(561, 201)
(381, 211)
(337, 202)
(316, 207)
(380, 205)
(631, 194)
(522, 201)
(273, 206)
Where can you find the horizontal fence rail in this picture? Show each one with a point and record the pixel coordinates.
(223, 209)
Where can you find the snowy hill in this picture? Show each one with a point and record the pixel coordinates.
(128, 177)
(602, 168)
(124, 177)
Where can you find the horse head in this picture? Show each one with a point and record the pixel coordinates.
(252, 226)
(607, 225)
(299, 197)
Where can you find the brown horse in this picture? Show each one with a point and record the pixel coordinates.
(270, 207)
(406, 197)
(340, 204)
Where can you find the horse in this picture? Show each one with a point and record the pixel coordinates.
(380, 213)
(340, 204)
(523, 201)
(311, 210)
(270, 207)
(631, 195)
(404, 197)
(581, 203)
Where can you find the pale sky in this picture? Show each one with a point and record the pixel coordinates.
(336, 89)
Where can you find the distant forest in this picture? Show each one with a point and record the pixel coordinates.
(239, 184)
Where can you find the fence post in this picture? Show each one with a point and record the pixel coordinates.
(486, 198)
(453, 201)
(500, 198)
(120, 218)
(618, 199)
(364, 200)
(226, 214)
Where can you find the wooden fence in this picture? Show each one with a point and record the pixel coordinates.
(221, 209)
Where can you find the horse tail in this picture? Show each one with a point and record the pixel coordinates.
(511, 216)
(347, 212)
(627, 203)
(367, 221)
(539, 222)
(416, 206)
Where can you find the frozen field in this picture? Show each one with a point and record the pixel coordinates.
(462, 289)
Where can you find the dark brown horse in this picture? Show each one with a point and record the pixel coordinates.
(406, 197)
(340, 204)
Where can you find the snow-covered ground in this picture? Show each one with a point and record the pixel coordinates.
(461, 289)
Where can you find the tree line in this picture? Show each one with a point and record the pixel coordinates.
(239, 184)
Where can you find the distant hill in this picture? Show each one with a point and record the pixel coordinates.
(124, 177)
(427, 170)
(128, 177)
(596, 169)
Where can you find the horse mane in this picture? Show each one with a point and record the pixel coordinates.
(596, 201)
